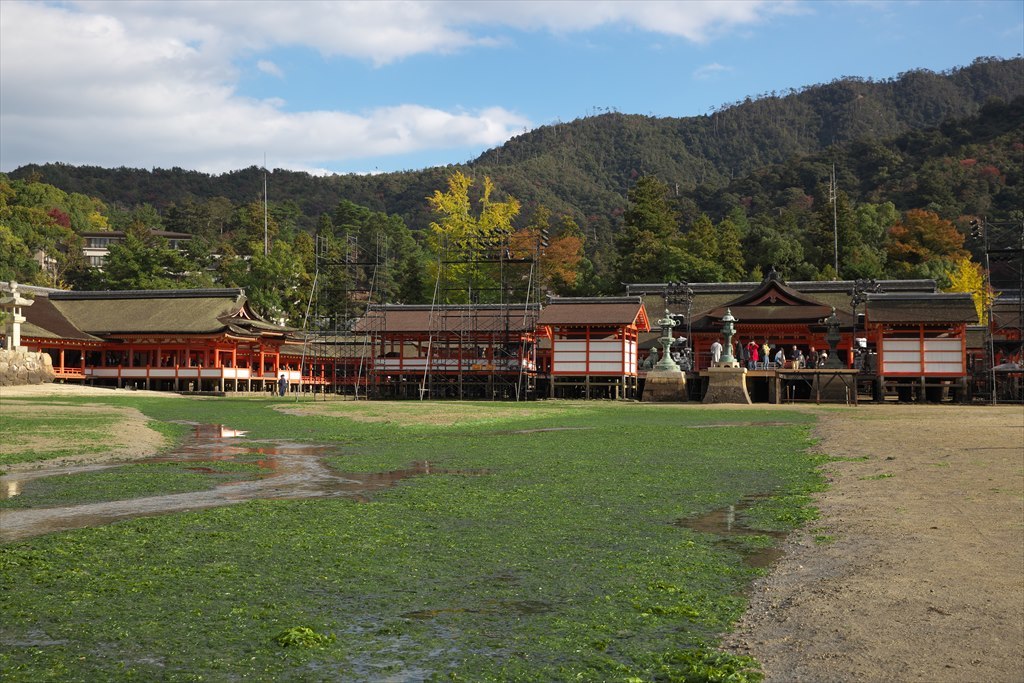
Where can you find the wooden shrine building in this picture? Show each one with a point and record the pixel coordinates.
(919, 343)
(200, 339)
(590, 346)
(484, 351)
(906, 339)
(47, 329)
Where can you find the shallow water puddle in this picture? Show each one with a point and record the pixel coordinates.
(723, 522)
(547, 429)
(493, 606)
(290, 471)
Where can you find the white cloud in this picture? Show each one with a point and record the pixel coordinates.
(269, 68)
(710, 71)
(698, 21)
(387, 30)
(98, 89)
(156, 83)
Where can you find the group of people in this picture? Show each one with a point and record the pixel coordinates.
(757, 356)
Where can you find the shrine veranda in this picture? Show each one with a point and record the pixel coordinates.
(905, 342)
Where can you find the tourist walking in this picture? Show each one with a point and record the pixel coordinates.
(282, 385)
(716, 352)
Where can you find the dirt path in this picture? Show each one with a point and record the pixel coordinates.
(922, 576)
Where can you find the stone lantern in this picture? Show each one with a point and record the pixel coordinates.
(727, 381)
(666, 362)
(665, 381)
(728, 330)
(12, 305)
(832, 337)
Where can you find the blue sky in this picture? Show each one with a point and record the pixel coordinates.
(338, 87)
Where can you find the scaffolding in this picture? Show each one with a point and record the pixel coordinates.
(501, 353)
(999, 377)
(346, 283)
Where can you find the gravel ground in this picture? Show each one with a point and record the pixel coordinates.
(917, 571)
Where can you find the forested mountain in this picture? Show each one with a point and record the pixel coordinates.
(585, 167)
(755, 173)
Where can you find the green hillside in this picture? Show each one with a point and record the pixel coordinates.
(748, 186)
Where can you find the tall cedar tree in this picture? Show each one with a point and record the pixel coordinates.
(649, 243)
(730, 249)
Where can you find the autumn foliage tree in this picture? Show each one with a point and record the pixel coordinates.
(459, 237)
(922, 241)
(555, 250)
(968, 276)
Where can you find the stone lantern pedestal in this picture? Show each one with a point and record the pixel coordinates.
(666, 382)
(727, 381)
(727, 385)
(665, 386)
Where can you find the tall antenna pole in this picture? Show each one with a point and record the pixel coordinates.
(834, 196)
(266, 241)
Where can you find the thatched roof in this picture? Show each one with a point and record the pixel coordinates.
(449, 319)
(1006, 312)
(771, 302)
(710, 299)
(178, 311)
(921, 308)
(708, 296)
(46, 321)
(329, 346)
(595, 311)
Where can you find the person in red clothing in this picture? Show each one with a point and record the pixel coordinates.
(753, 352)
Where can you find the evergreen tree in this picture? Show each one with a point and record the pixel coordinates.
(730, 248)
(278, 285)
(702, 240)
(142, 261)
(16, 261)
(650, 244)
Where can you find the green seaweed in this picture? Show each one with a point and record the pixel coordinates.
(556, 556)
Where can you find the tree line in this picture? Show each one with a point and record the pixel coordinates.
(572, 209)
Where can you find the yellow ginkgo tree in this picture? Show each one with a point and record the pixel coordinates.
(461, 240)
(968, 276)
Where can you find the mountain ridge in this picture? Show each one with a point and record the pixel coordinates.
(586, 166)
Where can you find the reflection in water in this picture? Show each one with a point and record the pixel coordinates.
(491, 606)
(11, 489)
(722, 522)
(289, 471)
(217, 432)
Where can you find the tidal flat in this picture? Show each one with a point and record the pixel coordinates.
(534, 542)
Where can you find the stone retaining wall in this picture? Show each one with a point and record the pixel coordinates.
(24, 367)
